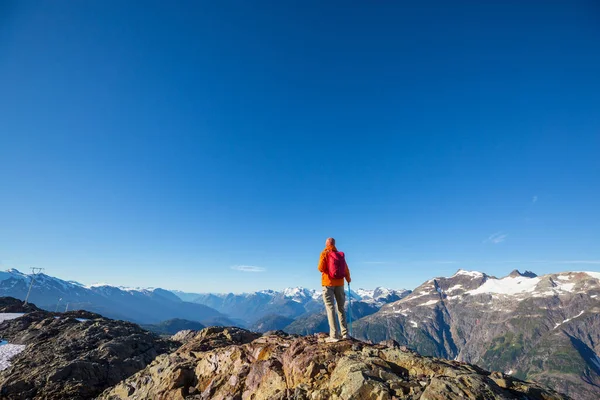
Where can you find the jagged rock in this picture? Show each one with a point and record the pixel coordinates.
(528, 274)
(75, 355)
(184, 336)
(229, 363)
(12, 305)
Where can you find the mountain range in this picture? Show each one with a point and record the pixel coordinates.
(146, 306)
(291, 304)
(262, 310)
(542, 328)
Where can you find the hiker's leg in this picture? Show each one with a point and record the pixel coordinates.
(340, 299)
(328, 299)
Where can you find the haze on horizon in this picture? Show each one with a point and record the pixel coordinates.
(213, 146)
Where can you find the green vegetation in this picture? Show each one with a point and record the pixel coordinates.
(504, 351)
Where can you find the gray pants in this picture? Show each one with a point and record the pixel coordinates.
(331, 295)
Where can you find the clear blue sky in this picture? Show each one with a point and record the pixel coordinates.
(167, 144)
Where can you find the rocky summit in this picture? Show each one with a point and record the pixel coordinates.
(74, 355)
(232, 363)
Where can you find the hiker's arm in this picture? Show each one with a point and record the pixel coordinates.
(348, 279)
(322, 266)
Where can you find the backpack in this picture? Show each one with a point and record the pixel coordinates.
(336, 265)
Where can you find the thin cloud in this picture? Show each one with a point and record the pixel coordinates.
(534, 200)
(496, 238)
(248, 268)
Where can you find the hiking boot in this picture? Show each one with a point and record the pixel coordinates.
(347, 337)
(331, 340)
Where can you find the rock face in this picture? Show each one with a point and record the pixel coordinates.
(12, 305)
(545, 329)
(74, 355)
(232, 363)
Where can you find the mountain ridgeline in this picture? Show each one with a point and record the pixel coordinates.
(157, 308)
(295, 310)
(145, 306)
(540, 328)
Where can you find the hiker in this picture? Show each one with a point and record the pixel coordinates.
(334, 269)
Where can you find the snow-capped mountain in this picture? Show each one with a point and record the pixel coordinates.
(380, 295)
(299, 294)
(141, 305)
(544, 328)
(296, 303)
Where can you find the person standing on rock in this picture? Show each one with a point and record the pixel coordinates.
(334, 270)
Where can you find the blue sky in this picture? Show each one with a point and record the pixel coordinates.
(213, 146)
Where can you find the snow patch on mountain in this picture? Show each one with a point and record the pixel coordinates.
(95, 285)
(547, 285)
(455, 287)
(365, 293)
(379, 296)
(508, 285)
(567, 287)
(473, 274)
(592, 274)
(569, 319)
(124, 288)
(12, 274)
(298, 294)
(7, 316)
(8, 351)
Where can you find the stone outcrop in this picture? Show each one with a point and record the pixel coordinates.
(12, 305)
(232, 363)
(75, 355)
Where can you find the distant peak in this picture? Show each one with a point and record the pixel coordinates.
(473, 274)
(13, 271)
(527, 274)
(99, 284)
(294, 291)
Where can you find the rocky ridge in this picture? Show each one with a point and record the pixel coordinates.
(12, 305)
(232, 363)
(74, 355)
